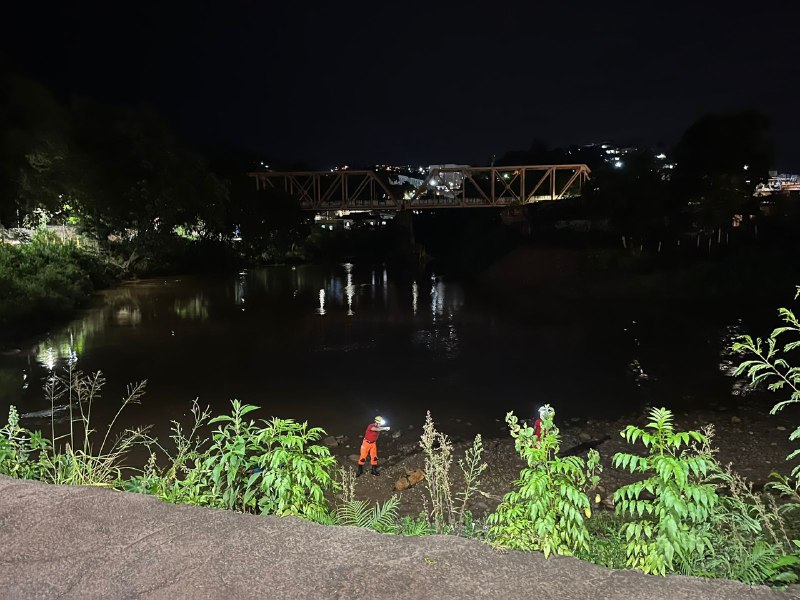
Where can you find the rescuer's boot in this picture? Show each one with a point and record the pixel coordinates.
(360, 471)
(375, 470)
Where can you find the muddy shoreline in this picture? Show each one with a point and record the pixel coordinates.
(746, 436)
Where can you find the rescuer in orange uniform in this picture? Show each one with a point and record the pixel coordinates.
(369, 446)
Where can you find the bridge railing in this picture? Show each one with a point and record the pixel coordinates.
(443, 187)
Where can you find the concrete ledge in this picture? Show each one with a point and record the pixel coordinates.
(78, 542)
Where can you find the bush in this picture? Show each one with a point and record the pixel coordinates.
(183, 481)
(47, 279)
(546, 511)
(23, 453)
(671, 508)
(271, 469)
(768, 364)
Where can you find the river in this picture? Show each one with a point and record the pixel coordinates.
(338, 345)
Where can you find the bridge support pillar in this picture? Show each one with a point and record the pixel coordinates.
(404, 232)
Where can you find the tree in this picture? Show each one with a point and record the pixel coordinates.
(720, 158)
(270, 221)
(635, 196)
(34, 132)
(131, 174)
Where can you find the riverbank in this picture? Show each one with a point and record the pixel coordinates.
(747, 437)
(45, 281)
(744, 273)
(80, 542)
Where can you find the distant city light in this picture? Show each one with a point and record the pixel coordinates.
(618, 164)
(661, 156)
(746, 167)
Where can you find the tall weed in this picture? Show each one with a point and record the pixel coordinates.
(449, 507)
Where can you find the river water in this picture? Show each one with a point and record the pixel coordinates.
(338, 345)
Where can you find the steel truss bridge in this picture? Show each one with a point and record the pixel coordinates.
(442, 187)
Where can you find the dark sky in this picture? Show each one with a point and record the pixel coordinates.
(408, 82)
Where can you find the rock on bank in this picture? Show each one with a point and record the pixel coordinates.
(79, 542)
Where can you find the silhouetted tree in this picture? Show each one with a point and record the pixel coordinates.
(720, 159)
(34, 133)
(636, 197)
(131, 173)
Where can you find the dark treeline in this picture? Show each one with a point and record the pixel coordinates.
(122, 176)
(707, 177)
(680, 221)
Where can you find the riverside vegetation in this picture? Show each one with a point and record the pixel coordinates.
(46, 279)
(686, 513)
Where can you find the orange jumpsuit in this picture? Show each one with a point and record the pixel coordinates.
(369, 446)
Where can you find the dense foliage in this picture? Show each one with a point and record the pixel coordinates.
(269, 468)
(45, 278)
(547, 511)
(671, 507)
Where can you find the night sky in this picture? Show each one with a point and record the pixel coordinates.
(406, 82)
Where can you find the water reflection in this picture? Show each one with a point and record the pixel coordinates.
(349, 289)
(240, 289)
(321, 309)
(128, 316)
(396, 338)
(195, 308)
(60, 350)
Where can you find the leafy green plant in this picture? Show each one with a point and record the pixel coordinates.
(415, 527)
(606, 540)
(270, 468)
(768, 364)
(671, 507)
(747, 540)
(448, 508)
(360, 513)
(546, 511)
(23, 453)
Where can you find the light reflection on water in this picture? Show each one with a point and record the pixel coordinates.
(335, 344)
(195, 308)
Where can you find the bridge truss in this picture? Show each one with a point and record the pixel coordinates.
(442, 187)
